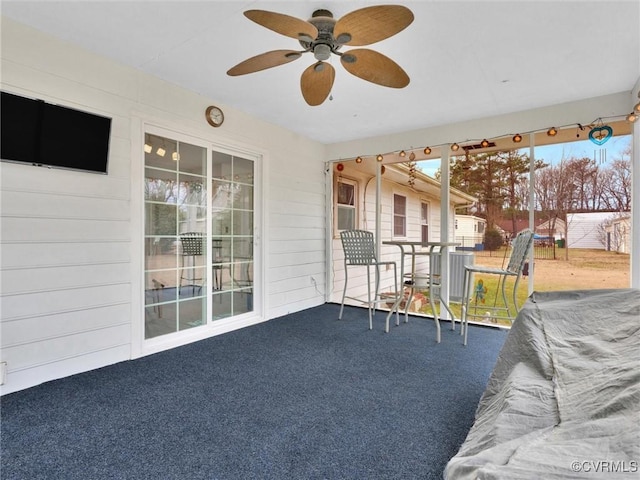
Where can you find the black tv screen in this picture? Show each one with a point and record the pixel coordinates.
(40, 133)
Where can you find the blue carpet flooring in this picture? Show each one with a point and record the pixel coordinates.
(304, 396)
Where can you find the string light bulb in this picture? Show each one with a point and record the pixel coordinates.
(632, 117)
(484, 143)
(359, 160)
(455, 147)
(427, 151)
(636, 108)
(402, 153)
(379, 157)
(517, 138)
(552, 132)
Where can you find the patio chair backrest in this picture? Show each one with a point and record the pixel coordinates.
(191, 243)
(521, 246)
(359, 247)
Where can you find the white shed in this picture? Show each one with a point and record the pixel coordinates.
(583, 229)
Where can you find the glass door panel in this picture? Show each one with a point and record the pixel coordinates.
(176, 257)
(232, 227)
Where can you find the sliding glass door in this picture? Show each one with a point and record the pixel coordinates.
(198, 235)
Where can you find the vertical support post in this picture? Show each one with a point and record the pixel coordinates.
(532, 205)
(634, 259)
(378, 233)
(445, 196)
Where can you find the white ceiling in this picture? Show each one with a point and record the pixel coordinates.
(466, 59)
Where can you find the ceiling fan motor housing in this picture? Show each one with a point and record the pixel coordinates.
(324, 44)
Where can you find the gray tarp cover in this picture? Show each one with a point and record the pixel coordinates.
(563, 400)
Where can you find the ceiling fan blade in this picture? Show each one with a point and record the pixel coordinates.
(316, 82)
(264, 61)
(371, 24)
(374, 67)
(284, 24)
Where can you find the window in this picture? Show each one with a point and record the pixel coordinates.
(424, 221)
(399, 216)
(480, 227)
(346, 208)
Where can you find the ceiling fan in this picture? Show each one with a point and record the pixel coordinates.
(323, 35)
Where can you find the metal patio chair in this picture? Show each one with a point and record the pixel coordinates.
(192, 247)
(519, 251)
(359, 251)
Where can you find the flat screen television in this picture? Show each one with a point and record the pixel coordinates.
(43, 134)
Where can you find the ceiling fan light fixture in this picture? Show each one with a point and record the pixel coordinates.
(322, 51)
(348, 58)
(343, 38)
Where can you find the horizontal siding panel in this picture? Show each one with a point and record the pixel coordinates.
(284, 303)
(299, 233)
(19, 379)
(298, 220)
(39, 329)
(300, 271)
(284, 209)
(30, 204)
(58, 278)
(296, 246)
(63, 230)
(47, 303)
(301, 194)
(33, 354)
(287, 260)
(31, 255)
(54, 180)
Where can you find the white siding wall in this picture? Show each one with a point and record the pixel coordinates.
(358, 275)
(583, 230)
(71, 249)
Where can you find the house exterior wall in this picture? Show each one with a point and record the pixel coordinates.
(619, 235)
(71, 242)
(583, 229)
(469, 230)
(357, 286)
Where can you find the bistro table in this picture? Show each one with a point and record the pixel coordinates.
(433, 276)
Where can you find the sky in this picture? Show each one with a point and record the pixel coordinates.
(611, 150)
